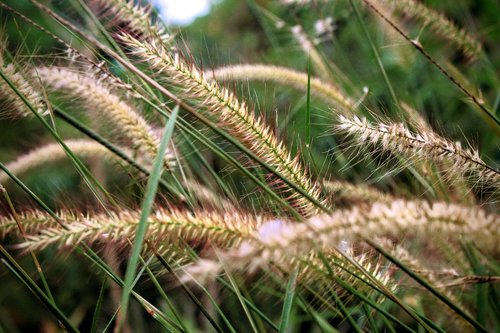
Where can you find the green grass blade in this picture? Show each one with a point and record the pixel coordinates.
(156, 314)
(147, 205)
(33, 256)
(161, 89)
(30, 193)
(108, 327)
(167, 300)
(375, 53)
(84, 172)
(97, 309)
(288, 302)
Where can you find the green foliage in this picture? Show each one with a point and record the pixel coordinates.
(345, 179)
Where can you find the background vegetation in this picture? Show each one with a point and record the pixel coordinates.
(355, 288)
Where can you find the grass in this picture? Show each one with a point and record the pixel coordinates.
(336, 170)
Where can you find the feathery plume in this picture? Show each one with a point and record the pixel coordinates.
(207, 197)
(195, 89)
(14, 106)
(438, 23)
(283, 242)
(164, 228)
(285, 76)
(356, 193)
(413, 263)
(426, 145)
(314, 270)
(99, 99)
(135, 17)
(53, 152)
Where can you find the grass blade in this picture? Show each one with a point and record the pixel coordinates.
(147, 205)
(308, 105)
(98, 306)
(288, 303)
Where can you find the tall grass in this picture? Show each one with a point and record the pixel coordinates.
(347, 203)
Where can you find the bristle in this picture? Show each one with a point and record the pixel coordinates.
(356, 193)
(135, 18)
(455, 321)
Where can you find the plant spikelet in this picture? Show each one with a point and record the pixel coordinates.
(136, 18)
(438, 23)
(426, 145)
(14, 105)
(283, 242)
(234, 115)
(53, 152)
(356, 193)
(164, 228)
(410, 261)
(316, 270)
(285, 76)
(101, 101)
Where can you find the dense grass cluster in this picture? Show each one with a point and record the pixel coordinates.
(344, 177)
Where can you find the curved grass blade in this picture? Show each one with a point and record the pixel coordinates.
(252, 306)
(242, 302)
(490, 118)
(86, 251)
(33, 255)
(308, 105)
(155, 313)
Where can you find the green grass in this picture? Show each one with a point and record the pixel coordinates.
(362, 283)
